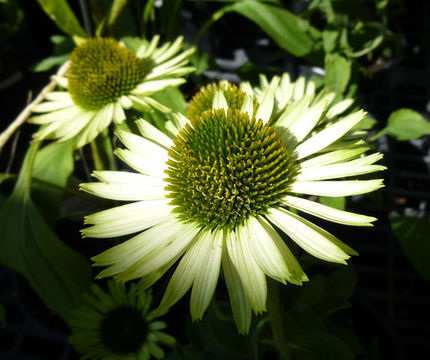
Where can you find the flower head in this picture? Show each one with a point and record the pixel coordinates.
(118, 325)
(103, 79)
(213, 194)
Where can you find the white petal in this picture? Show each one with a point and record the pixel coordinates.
(334, 157)
(253, 278)
(48, 106)
(306, 122)
(127, 219)
(163, 250)
(151, 167)
(329, 135)
(142, 147)
(219, 101)
(186, 271)
(310, 237)
(172, 50)
(123, 256)
(147, 49)
(118, 113)
(152, 133)
(271, 253)
(207, 278)
(240, 305)
(124, 177)
(248, 106)
(336, 188)
(339, 108)
(125, 192)
(265, 108)
(292, 112)
(58, 96)
(151, 87)
(327, 212)
(55, 116)
(299, 88)
(60, 80)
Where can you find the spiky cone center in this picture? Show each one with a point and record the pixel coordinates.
(124, 330)
(101, 71)
(225, 167)
(203, 100)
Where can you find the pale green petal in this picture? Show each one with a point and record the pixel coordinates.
(277, 263)
(247, 88)
(182, 237)
(124, 177)
(118, 113)
(219, 101)
(60, 80)
(140, 103)
(151, 167)
(305, 122)
(151, 87)
(58, 96)
(152, 133)
(48, 106)
(328, 213)
(295, 272)
(186, 271)
(158, 106)
(292, 112)
(147, 49)
(334, 157)
(248, 106)
(265, 108)
(310, 88)
(127, 219)
(299, 88)
(252, 277)
(125, 192)
(240, 305)
(144, 155)
(56, 116)
(125, 102)
(310, 237)
(172, 50)
(329, 135)
(336, 188)
(132, 251)
(339, 108)
(207, 277)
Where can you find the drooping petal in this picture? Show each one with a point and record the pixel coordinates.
(271, 253)
(252, 277)
(310, 237)
(240, 305)
(152, 133)
(334, 157)
(207, 277)
(327, 212)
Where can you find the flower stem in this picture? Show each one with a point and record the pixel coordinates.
(25, 114)
(275, 317)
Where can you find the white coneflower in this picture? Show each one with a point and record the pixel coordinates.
(105, 78)
(211, 196)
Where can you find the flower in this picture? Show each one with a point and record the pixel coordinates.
(213, 195)
(118, 325)
(103, 79)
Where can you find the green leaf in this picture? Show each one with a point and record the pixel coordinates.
(335, 202)
(406, 124)
(286, 29)
(63, 46)
(413, 235)
(58, 274)
(108, 23)
(337, 73)
(61, 13)
(170, 18)
(330, 39)
(320, 346)
(46, 197)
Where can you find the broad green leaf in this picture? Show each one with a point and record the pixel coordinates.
(61, 13)
(170, 18)
(319, 346)
(337, 73)
(406, 124)
(413, 235)
(334, 202)
(54, 163)
(58, 274)
(50, 62)
(116, 9)
(286, 29)
(330, 38)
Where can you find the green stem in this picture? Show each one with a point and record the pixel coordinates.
(147, 11)
(275, 316)
(101, 148)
